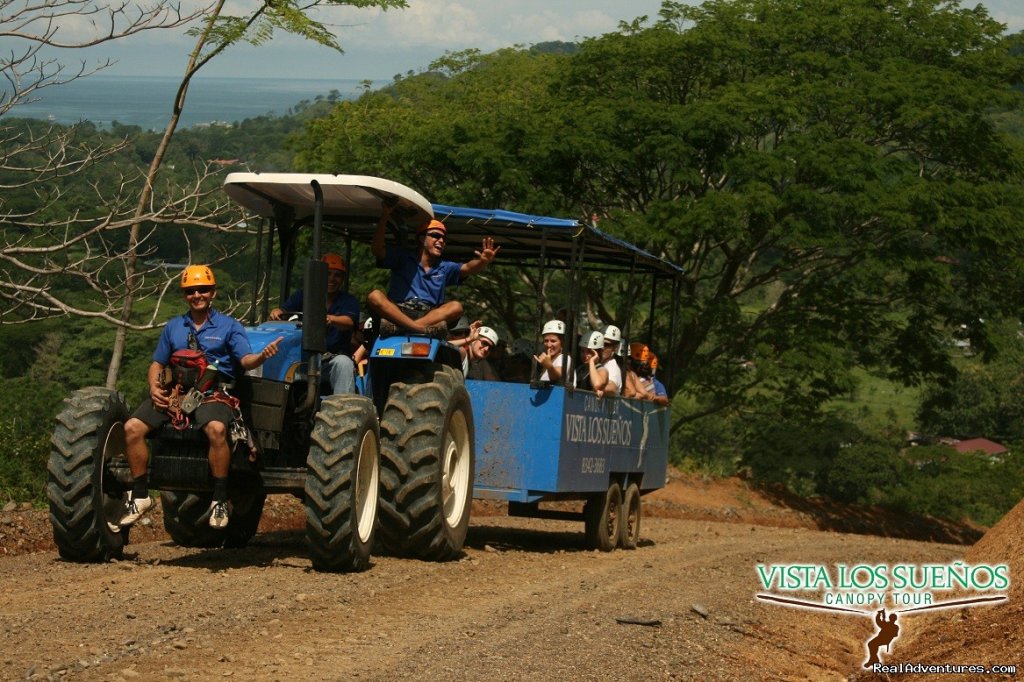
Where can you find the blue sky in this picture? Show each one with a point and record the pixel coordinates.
(380, 44)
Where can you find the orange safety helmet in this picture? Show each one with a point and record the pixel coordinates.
(334, 261)
(639, 352)
(197, 276)
(432, 225)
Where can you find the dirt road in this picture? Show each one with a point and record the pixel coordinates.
(526, 602)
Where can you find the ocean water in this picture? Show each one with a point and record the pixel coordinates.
(147, 101)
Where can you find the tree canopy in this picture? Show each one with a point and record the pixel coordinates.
(832, 181)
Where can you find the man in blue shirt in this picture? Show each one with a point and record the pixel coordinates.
(419, 278)
(342, 318)
(223, 341)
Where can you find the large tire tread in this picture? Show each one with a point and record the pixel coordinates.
(77, 502)
(632, 510)
(184, 519)
(413, 522)
(332, 497)
(602, 517)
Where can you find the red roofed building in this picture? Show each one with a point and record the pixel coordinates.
(988, 447)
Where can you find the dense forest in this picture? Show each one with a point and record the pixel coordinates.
(848, 214)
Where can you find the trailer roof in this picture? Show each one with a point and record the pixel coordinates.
(352, 206)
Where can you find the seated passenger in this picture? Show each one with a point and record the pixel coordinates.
(461, 334)
(517, 368)
(224, 343)
(612, 338)
(638, 352)
(523, 346)
(654, 389)
(592, 375)
(475, 365)
(419, 278)
(342, 318)
(551, 358)
(458, 334)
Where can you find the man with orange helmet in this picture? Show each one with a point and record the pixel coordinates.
(419, 278)
(655, 390)
(640, 381)
(223, 342)
(342, 318)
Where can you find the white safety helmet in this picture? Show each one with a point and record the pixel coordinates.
(553, 327)
(612, 333)
(592, 340)
(489, 334)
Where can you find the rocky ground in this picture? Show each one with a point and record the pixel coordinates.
(526, 601)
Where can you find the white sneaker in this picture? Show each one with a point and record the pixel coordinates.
(134, 508)
(220, 514)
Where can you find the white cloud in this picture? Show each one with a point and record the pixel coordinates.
(379, 44)
(487, 24)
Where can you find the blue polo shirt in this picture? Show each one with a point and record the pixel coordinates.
(408, 279)
(222, 338)
(659, 388)
(338, 341)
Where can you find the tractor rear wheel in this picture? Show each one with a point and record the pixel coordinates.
(246, 511)
(427, 467)
(185, 519)
(343, 484)
(86, 500)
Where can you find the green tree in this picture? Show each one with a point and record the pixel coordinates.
(818, 188)
(835, 201)
(91, 260)
(983, 397)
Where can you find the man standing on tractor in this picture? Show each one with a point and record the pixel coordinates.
(223, 350)
(419, 278)
(342, 318)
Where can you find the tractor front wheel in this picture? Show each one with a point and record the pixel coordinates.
(343, 484)
(427, 467)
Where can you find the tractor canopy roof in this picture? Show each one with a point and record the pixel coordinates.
(352, 204)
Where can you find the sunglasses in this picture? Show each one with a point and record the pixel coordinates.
(437, 235)
(197, 290)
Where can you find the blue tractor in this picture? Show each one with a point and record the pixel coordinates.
(400, 461)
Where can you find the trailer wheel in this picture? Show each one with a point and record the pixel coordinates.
(185, 519)
(602, 517)
(629, 531)
(343, 484)
(86, 500)
(427, 467)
